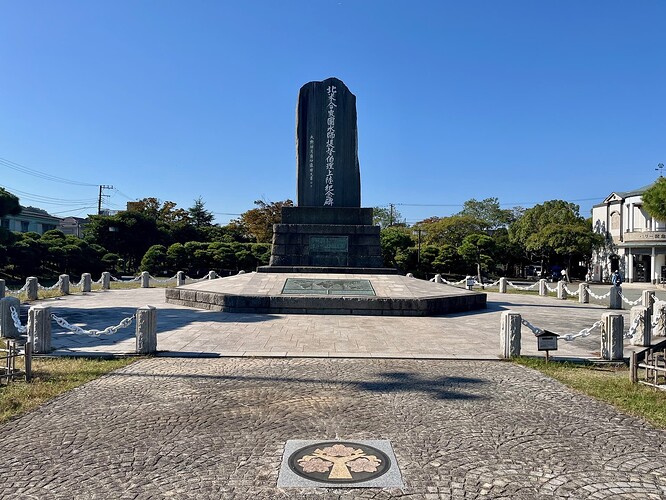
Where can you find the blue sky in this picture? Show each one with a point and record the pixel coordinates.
(525, 101)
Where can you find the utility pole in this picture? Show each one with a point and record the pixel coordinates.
(99, 200)
(660, 167)
(390, 214)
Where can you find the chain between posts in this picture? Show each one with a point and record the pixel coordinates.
(109, 330)
(52, 287)
(569, 336)
(167, 280)
(16, 292)
(600, 297)
(630, 302)
(566, 288)
(533, 285)
(17, 320)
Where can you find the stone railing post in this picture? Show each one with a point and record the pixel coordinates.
(145, 279)
(660, 312)
(612, 336)
(146, 330)
(63, 284)
(212, 275)
(33, 287)
(2, 289)
(502, 285)
(106, 280)
(510, 331)
(584, 293)
(543, 290)
(7, 327)
(241, 271)
(643, 331)
(408, 275)
(438, 278)
(86, 282)
(615, 298)
(180, 278)
(39, 328)
(561, 291)
(648, 299)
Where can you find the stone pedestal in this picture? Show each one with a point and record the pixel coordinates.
(510, 327)
(326, 239)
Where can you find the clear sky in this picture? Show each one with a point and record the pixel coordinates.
(522, 100)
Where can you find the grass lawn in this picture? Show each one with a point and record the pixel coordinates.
(610, 384)
(51, 377)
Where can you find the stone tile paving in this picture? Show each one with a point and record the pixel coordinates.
(216, 428)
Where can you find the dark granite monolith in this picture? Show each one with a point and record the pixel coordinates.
(327, 146)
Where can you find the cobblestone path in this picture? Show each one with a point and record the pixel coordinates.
(215, 428)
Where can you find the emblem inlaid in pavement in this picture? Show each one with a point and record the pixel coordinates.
(339, 462)
(309, 286)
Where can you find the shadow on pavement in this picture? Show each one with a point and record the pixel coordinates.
(388, 382)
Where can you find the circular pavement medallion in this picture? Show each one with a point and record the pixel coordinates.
(339, 462)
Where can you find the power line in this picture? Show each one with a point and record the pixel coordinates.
(42, 175)
(46, 199)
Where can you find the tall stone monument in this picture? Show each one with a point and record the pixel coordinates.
(327, 231)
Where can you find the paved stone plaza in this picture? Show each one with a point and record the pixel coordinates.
(185, 331)
(216, 428)
(461, 423)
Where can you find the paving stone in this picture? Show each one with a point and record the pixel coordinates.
(217, 427)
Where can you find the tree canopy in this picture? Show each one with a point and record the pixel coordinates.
(654, 199)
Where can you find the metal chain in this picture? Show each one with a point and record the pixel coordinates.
(551, 289)
(634, 327)
(569, 336)
(522, 287)
(109, 330)
(601, 297)
(193, 280)
(138, 278)
(52, 287)
(535, 330)
(566, 288)
(631, 303)
(17, 320)
(173, 278)
(17, 292)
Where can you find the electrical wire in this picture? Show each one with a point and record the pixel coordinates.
(42, 175)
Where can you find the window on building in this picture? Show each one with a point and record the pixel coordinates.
(25, 226)
(5, 224)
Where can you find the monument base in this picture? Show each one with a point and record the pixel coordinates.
(338, 270)
(326, 239)
(364, 294)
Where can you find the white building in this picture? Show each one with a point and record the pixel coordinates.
(30, 219)
(636, 243)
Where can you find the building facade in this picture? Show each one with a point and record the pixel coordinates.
(635, 242)
(30, 219)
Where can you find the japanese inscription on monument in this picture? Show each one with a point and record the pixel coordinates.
(327, 146)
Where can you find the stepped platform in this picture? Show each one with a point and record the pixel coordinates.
(314, 293)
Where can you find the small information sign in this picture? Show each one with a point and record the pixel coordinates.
(547, 341)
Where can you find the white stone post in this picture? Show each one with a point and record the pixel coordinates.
(180, 278)
(543, 290)
(2, 289)
(33, 287)
(510, 327)
(612, 336)
(106, 280)
(241, 271)
(86, 282)
(63, 284)
(408, 275)
(584, 293)
(145, 279)
(438, 278)
(561, 292)
(502, 285)
(212, 275)
(146, 330)
(7, 327)
(39, 328)
(643, 336)
(648, 299)
(615, 298)
(660, 312)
